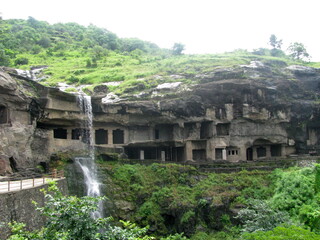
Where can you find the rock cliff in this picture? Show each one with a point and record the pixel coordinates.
(250, 112)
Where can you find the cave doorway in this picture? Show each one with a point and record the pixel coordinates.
(275, 150)
(101, 136)
(249, 154)
(3, 114)
(13, 164)
(199, 154)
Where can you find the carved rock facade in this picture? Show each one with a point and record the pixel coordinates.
(248, 113)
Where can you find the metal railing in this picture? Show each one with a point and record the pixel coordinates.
(16, 184)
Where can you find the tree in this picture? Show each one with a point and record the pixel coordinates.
(274, 42)
(298, 51)
(178, 48)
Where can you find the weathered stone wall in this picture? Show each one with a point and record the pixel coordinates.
(17, 206)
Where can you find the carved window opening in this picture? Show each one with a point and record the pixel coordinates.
(199, 154)
(4, 115)
(101, 136)
(85, 136)
(190, 130)
(223, 129)
(118, 136)
(157, 134)
(60, 133)
(233, 152)
(76, 134)
(261, 152)
(165, 131)
(206, 130)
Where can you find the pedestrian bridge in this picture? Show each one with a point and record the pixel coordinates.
(10, 185)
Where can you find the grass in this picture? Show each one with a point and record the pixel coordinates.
(72, 67)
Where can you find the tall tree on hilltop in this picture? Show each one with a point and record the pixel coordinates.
(274, 42)
(298, 51)
(178, 48)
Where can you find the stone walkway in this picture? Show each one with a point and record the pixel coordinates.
(11, 186)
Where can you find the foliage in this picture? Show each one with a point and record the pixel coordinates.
(259, 216)
(69, 217)
(293, 189)
(177, 48)
(298, 51)
(282, 233)
(317, 178)
(274, 42)
(175, 198)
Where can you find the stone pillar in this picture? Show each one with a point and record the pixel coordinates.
(125, 136)
(283, 150)
(254, 153)
(268, 151)
(243, 153)
(224, 154)
(69, 133)
(141, 155)
(110, 136)
(188, 151)
(210, 153)
(151, 133)
(163, 155)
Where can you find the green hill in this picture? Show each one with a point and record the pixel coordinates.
(81, 55)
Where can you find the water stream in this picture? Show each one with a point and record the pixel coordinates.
(87, 164)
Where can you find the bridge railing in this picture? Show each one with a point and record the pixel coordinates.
(15, 184)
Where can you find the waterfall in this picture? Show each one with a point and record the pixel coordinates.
(87, 164)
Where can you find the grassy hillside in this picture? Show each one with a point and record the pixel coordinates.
(81, 55)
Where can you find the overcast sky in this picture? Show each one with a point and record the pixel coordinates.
(204, 26)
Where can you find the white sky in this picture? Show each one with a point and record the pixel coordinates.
(204, 26)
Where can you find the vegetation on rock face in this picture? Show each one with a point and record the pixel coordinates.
(174, 198)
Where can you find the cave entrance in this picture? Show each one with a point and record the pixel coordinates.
(199, 154)
(118, 136)
(218, 152)
(261, 152)
(3, 115)
(206, 130)
(101, 136)
(13, 164)
(249, 154)
(275, 150)
(223, 129)
(45, 166)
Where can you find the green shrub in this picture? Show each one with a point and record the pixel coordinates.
(259, 216)
(21, 61)
(294, 189)
(282, 233)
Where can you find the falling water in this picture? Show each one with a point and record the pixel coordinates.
(87, 164)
